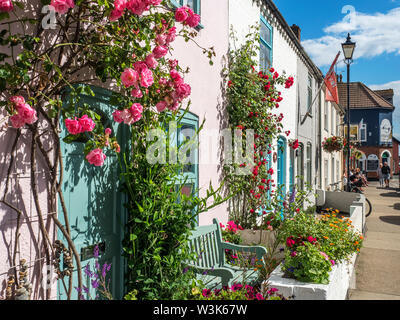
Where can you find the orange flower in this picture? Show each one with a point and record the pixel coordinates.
(325, 237)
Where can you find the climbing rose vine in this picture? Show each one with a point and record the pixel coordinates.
(49, 72)
(254, 99)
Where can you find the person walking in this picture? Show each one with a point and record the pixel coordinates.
(380, 175)
(386, 174)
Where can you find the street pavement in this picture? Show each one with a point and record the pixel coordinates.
(378, 264)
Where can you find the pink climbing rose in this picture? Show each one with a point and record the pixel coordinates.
(146, 78)
(73, 126)
(62, 6)
(86, 123)
(6, 6)
(161, 106)
(96, 157)
(27, 113)
(160, 51)
(193, 20)
(118, 116)
(17, 100)
(151, 61)
(17, 121)
(181, 14)
(129, 77)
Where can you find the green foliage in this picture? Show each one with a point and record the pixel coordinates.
(307, 264)
(252, 98)
(307, 234)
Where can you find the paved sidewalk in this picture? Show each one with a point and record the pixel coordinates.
(378, 265)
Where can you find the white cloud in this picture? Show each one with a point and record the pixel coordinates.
(395, 85)
(374, 34)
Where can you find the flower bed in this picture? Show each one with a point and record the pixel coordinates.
(340, 279)
(319, 256)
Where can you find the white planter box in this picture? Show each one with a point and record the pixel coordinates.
(341, 278)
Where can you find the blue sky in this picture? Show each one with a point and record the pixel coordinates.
(374, 26)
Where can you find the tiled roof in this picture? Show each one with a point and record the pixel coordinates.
(361, 96)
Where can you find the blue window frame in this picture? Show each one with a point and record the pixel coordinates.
(194, 4)
(188, 178)
(266, 34)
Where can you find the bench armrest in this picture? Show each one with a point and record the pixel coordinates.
(258, 250)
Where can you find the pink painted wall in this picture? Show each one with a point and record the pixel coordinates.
(207, 100)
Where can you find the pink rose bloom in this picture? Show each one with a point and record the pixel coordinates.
(133, 114)
(62, 6)
(139, 66)
(108, 131)
(120, 5)
(115, 15)
(73, 126)
(136, 93)
(161, 106)
(6, 6)
(17, 121)
(162, 81)
(171, 35)
(161, 39)
(146, 78)
(193, 20)
(153, 2)
(129, 77)
(118, 116)
(183, 90)
(151, 61)
(173, 64)
(176, 76)
(27, 113)
(17, 100)
(136, 111)
(181, 14)
(160, 51)
(96, 157)
(137, 6)
(86, 123)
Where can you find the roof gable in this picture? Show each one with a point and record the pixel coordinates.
(361, 97)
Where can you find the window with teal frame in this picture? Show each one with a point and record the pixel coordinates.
(189, 176)
(265, 45)
(194, 4)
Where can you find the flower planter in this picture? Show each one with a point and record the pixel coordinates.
(341, 279)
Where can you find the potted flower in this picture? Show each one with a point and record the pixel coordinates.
(333, 144)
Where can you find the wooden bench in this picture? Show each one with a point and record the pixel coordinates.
(211, 265)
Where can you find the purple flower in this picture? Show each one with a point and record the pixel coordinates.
(104, 271)
(87, 271)
(86, 289)
(95, 284)
(185, 270)
(96, 251)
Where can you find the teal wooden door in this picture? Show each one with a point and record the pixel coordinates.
(281, 168)
(95, 207)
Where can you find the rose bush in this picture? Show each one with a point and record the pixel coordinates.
(252, 100)
(43, 77)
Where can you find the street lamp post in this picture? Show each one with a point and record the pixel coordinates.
(348, 50)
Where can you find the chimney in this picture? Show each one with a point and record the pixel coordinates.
(297, 31)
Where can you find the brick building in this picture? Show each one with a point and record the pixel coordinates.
(371, 125)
